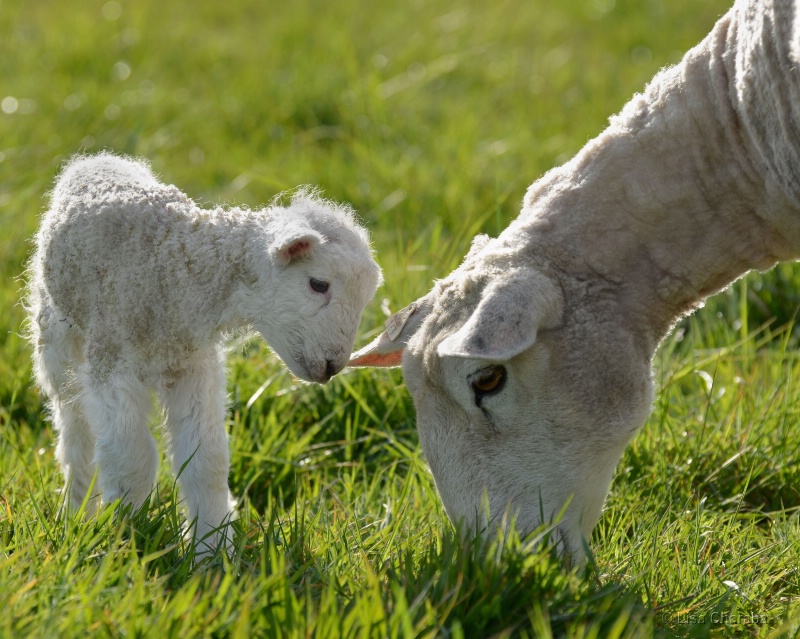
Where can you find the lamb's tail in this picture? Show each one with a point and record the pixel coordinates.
(55, 340)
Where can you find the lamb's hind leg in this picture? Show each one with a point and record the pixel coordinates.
(56, 350)
(194, 402)
(117, 406)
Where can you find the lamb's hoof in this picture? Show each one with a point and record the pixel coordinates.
(213, 545)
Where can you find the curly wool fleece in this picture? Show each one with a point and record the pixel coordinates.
(133, 289)
(530, 364)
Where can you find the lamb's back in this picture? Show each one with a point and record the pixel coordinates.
(107, 186)
(114, 248)
(101, 170)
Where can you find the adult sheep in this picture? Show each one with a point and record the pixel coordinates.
(530, 364)
(133, 290)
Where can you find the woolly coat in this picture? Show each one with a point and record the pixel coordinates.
(133, 290)
(530, 364)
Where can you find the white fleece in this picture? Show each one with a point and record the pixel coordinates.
(133, 289)
(530, 364)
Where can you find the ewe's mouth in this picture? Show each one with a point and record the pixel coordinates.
(300, 368)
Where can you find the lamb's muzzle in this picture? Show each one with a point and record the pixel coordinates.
(693, 184)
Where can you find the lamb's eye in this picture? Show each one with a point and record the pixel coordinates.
(488, 381)
(320, 286)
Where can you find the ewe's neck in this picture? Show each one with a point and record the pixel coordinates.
(664, 208)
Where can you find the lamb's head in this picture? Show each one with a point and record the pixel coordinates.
(512, 406)
(322, 276)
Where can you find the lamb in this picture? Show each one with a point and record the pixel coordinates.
(133, 289)
(530, 364)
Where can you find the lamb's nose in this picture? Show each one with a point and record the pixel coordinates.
(330, 368)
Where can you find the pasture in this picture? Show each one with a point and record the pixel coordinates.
(430, 118)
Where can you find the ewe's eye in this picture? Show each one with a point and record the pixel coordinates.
(488, 381)
(319, 286)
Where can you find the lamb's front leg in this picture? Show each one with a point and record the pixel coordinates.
(194, 402)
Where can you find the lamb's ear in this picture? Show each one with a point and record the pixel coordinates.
(294, 242)
(506, 321)
(386, 350)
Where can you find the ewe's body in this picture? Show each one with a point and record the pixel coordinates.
(530, 364)
(133, 289)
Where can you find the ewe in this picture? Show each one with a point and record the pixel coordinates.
(133, 289)
(530, 364)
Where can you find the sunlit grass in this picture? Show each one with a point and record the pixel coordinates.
(431, 118)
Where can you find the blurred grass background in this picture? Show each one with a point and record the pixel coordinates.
(431, 118)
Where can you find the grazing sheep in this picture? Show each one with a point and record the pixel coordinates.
(530, 364)
(133, 290)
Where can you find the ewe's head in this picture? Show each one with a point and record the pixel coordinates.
(516, 406)
(322, 276)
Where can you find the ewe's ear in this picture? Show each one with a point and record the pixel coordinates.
(505, 323)
(294, 242)
(386, 350)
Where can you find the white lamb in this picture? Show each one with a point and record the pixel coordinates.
(530, 364)
(133, 290)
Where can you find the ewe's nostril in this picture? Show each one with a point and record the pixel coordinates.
(330, 368)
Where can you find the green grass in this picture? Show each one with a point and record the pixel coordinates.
(431, 117)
